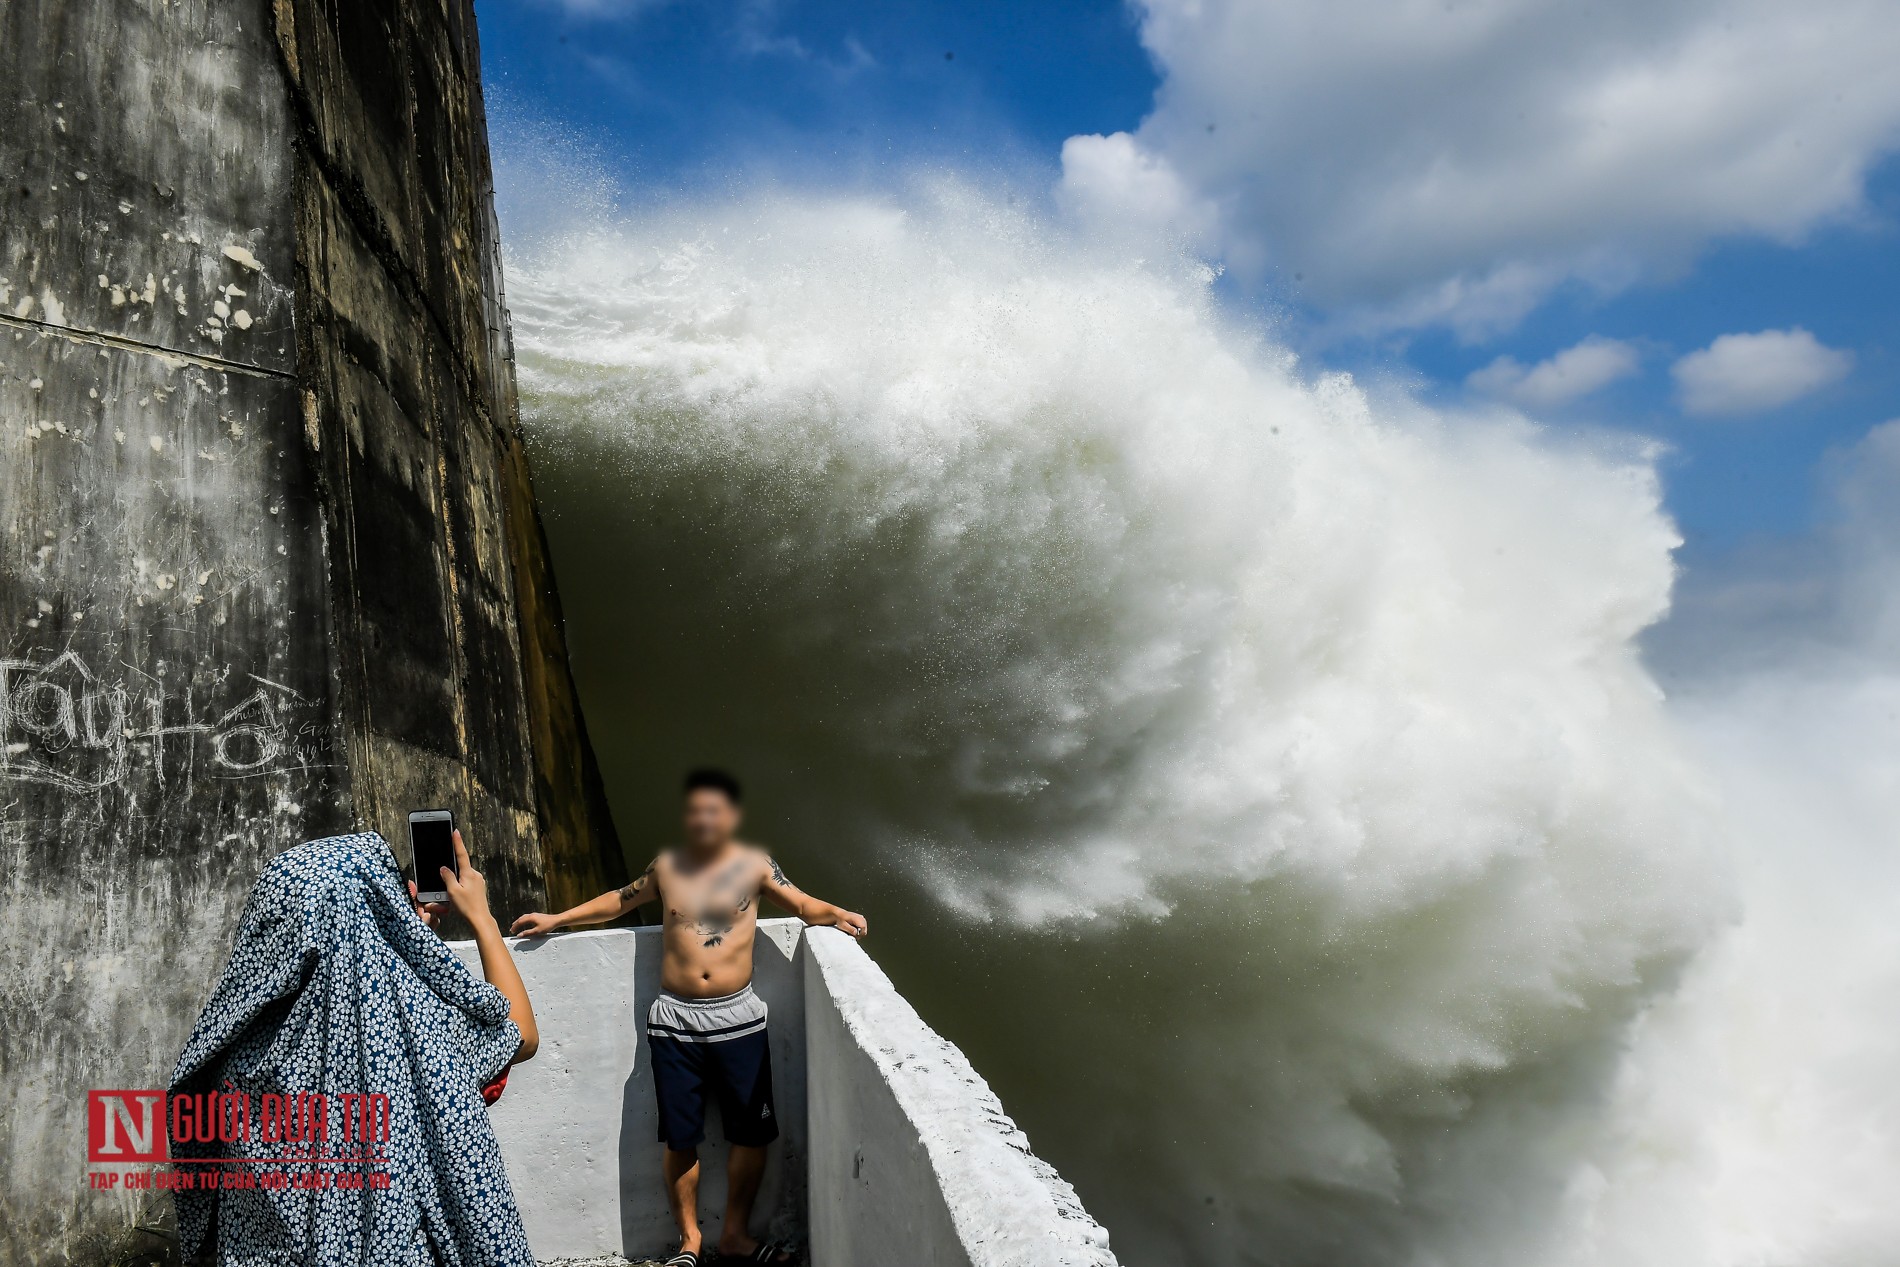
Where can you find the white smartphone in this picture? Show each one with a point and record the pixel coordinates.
(431, 847)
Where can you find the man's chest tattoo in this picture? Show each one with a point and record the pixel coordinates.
(717, 908)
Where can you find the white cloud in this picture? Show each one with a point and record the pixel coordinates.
(1749, 373)
(1112, 183)
(1574, 372)
(1451, 163)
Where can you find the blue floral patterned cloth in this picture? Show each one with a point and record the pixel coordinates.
(336, 986)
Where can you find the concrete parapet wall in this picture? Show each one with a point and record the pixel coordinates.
(912, 1158)
(893, 1149)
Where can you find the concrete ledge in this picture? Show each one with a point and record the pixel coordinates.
(913, 1159)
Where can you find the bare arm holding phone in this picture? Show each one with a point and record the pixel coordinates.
(468, 897)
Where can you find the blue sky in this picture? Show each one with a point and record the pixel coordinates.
(1400, 196)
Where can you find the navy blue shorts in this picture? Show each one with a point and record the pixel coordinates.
(738, 1071)
(692, 1057)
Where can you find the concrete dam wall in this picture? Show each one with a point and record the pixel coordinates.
(270, 565)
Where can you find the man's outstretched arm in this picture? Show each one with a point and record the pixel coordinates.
(808, 908)
(601, 909)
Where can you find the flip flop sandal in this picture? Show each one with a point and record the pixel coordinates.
(685, 1258)
(767, 1254)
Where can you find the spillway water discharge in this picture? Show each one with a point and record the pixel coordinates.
(1260, 778)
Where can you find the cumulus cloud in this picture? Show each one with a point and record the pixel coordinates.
(1111, 182)
(1573, 373)
(1452, 164)
(1749, 373)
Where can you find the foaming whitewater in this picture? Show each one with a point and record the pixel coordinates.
(1257, 776)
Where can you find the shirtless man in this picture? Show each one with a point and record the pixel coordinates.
(707, 1028)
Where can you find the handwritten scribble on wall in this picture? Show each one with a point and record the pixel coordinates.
(62, 724)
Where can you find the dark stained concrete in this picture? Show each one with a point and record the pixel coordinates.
(269, 561)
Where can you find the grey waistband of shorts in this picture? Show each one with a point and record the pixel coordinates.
(723, 1000)
(714, 1020)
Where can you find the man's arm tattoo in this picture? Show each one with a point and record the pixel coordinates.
(631, 891)
(778, 874)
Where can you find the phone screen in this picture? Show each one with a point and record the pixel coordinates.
(432, 848)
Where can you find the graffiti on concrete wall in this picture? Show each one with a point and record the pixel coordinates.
(64, 724)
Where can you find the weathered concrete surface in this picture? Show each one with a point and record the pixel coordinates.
(269, 566)
(912, 1158)
(441, 591)
(894, 1149)
(577, 1124)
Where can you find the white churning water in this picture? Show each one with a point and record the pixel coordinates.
(1260, 778)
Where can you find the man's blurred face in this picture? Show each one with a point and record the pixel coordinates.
(711, 818)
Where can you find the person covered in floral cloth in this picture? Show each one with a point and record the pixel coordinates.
(338, 987)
